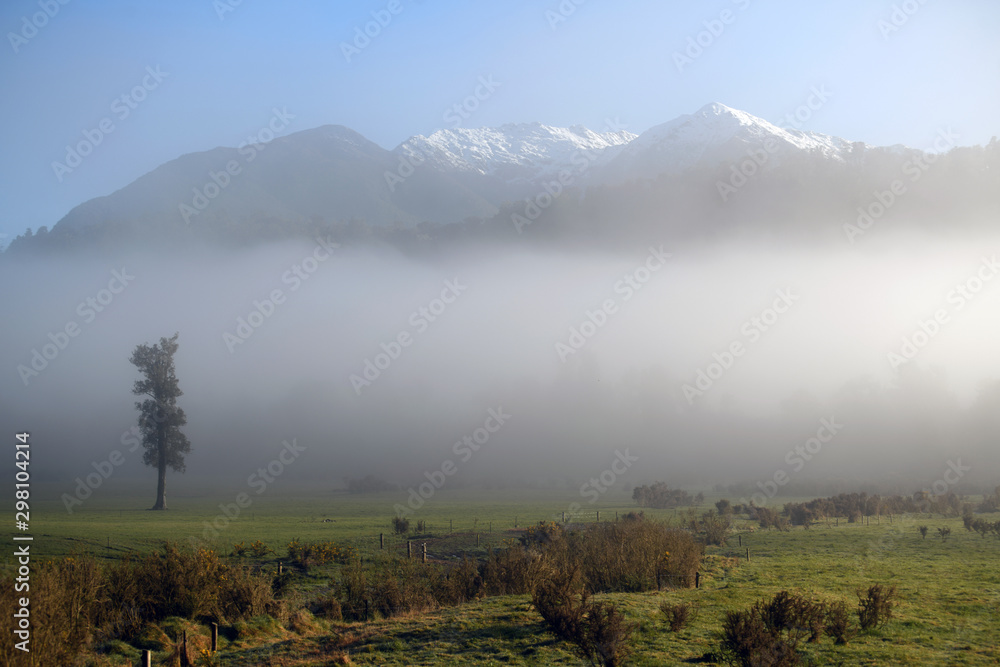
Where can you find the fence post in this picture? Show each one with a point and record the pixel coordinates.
(748, 554)
(564, 516)
(697, 579)
(147, 659)
(215, 636)
(598, 516)
(281, 567)
(741, 540)
(381, 540)
(424, 554)
(409, 549)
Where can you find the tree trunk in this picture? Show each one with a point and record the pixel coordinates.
(161, 482)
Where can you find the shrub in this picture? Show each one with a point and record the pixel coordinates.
(678, 615)
(923, 531)
(748, 641)
(512, 571)
(944, 532)
(875, 606)
(400, 525)
(307, 554)
(597, 630)
(660, 496)
(715, 528)
(634, 556)
(838, 622)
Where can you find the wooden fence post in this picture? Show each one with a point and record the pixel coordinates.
(281, 567)
(409, 549)
(741, 540)
(215, 636)
(748, 554)
(697, 579)
(381, 540)
(424, 554)
(598, 516)
(147, 659)
(564, 516)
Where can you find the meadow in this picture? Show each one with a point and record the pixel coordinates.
(948, 608)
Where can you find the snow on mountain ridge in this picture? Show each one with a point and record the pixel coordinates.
(521, 150)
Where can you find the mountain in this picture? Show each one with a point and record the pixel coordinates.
(466, 182)
(330, 173)
(717, 134)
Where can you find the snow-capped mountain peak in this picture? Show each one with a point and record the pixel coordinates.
(713, 135)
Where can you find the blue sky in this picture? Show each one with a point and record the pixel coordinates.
(896, 72)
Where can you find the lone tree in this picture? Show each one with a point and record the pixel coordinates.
(160, 419)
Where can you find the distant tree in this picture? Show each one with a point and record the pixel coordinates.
(160, 419)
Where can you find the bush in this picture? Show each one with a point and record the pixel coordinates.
(875, 606)
(634, 556)
(748, 641)
(923, 531)
(307, 554)
(597, 630)
(678, 615)
(769, 632)
(661, 496)
(838, 623)
(400, 525)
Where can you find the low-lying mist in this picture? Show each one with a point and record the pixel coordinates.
(708, 364)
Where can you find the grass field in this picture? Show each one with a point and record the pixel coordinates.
(949, 610)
